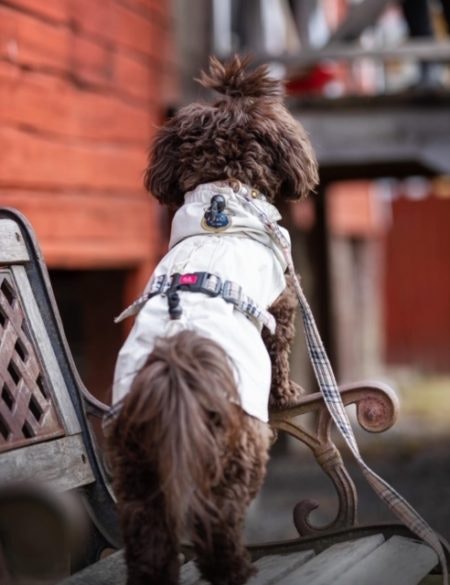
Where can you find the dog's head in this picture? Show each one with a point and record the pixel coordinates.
(247, 134)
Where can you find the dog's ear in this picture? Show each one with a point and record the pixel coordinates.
(296, 162)
(162, 174)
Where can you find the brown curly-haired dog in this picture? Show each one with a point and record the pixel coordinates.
(187, 454)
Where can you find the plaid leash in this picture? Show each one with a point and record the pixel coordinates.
(332, 397)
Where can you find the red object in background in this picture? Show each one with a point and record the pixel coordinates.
(312, 82)
(417, 284)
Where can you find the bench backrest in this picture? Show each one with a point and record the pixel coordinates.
(44, 431)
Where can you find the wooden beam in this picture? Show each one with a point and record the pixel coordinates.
(60, 12)
(117, 24)
(51, 10)
(63, 463)
(88, 55)
(53, 106)
(420, 50)
(383, 138)
(36, 162)
(359, 17)
(95, 230)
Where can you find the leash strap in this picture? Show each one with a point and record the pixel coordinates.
(209, 284)
(332, 397)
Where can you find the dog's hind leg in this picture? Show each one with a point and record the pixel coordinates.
(150, 550)
(221, 555)
(151, 544)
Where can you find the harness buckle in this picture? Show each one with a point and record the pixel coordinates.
(203, 282)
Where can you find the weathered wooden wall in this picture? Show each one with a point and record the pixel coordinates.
(83, 83)
(417, 284)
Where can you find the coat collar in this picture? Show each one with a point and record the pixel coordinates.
(189, 219)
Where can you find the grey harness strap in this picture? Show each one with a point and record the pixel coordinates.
(206, 283)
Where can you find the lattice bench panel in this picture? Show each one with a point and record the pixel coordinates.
(27, 414)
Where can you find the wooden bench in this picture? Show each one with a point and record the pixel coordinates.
(368, 560)
(46, 442)
(48, 452)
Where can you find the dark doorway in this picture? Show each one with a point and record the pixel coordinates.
(88, 300)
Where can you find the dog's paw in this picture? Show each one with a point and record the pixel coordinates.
(290, 396)
(295, 391)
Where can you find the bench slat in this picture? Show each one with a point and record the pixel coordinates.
(399, 560)
(12, 246)
(112, 570)
(271, 569)
(109, 571)
(367, 560)
(323, 568)
(63, 462)
(274, 567)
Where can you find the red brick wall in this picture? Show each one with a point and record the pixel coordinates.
(82, 85)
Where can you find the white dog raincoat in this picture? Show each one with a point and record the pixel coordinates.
(241, 252)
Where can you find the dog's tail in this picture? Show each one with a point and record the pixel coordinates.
(182, 408)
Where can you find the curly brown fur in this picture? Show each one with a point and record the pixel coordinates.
(151, 545)
(235, 81)
(223, 559)
(247, 135)
(185, 458)
(284, 392)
